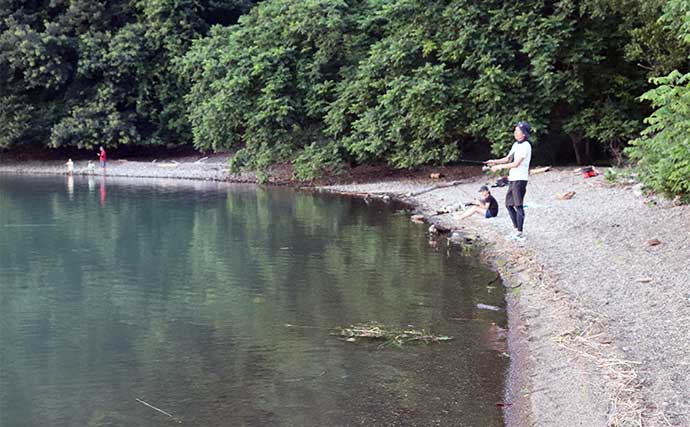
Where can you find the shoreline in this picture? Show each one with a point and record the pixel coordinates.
(596, 325)
(597, 307)
(201, 168)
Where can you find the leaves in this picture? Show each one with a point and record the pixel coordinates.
(58, 62)
(663, 150)
(408, 82)
(322, 83)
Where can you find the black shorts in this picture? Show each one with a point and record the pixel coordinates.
(516, 193)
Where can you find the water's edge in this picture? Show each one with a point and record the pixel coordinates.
(517, 405)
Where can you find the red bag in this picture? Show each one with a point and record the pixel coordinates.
(588, 172)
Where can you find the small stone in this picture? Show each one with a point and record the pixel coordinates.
(637, 190)
(653, 242)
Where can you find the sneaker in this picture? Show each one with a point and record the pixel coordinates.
(517, 237)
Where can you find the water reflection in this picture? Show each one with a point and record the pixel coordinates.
(179, 296)
(70, 186)
(102, 191)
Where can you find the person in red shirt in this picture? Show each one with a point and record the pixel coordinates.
(101, 157)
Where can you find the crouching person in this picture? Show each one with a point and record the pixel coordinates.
(487, 206)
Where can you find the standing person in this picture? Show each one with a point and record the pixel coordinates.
(487, 206)
(101, 157)
(517, 161)
(70, 166)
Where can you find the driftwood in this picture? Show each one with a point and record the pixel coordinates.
(565, 196)
(168, 165)
(536, 171)
(154, 408)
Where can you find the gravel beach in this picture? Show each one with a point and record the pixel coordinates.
(599, 296)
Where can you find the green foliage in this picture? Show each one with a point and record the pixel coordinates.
(410, 82)
(437, 77)
(316, 160)
(262, 86)
(608, 122)
(663, 150)
(378, 81)
(625, 176)
(15, 120)
(321, 83)
(84, 73)
(96, 122)
(647, 29)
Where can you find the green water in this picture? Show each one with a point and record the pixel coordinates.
(178, 294)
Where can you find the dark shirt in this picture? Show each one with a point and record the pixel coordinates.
(493, 205)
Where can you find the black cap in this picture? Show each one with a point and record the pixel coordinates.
(483, 188)
(525, 128)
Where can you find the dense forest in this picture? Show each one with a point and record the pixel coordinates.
(325, 83)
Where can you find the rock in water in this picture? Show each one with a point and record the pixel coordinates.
(488, 307)
(456, 237)
(417, 218)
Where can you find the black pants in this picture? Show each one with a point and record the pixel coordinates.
(514, 203)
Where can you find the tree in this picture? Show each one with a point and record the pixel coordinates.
(263, 86)
(82, 74)
(663, 151)
(411, 82)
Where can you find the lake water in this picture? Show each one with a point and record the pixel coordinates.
(179, 294)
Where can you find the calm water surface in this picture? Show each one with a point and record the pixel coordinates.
(179, 294)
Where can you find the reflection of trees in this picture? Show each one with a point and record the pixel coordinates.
(182, 298)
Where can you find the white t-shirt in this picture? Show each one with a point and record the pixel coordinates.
(522, 150)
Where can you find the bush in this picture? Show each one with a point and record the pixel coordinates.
(663, 150)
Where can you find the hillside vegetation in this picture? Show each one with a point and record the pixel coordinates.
(326, 83)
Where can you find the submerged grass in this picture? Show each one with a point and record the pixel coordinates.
(388, 336)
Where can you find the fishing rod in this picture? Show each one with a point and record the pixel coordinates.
(474, 162)
(485, 167)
